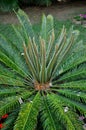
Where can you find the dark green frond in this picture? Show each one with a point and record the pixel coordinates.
(10, 92)
(75, 95)
(73, 104)
(76, 85)
(11, 81)
(62, 112)
(10, 105)
(28, 114)
(47, 118)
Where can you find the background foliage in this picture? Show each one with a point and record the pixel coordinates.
(8, 5)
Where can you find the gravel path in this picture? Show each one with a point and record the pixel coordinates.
(60, 11)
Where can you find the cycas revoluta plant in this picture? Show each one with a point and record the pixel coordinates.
(42, 78)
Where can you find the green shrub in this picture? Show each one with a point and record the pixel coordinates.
(42, 77)
(26, 2)
(43, 2)
(8, 5)
(38, 2)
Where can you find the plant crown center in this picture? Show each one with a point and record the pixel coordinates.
(42, 86)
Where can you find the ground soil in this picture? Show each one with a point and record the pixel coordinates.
(61, 11)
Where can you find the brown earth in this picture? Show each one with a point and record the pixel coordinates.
(61, 11)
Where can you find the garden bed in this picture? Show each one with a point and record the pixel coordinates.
(80, 19)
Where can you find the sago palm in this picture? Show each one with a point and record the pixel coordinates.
(42, 77)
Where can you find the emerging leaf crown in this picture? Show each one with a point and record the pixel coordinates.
(44, 56)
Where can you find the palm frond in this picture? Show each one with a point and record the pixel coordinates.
(73, 104)
(75, 85)
(10, 92)
(62, 112)
(28, 113)
(9, 106)
(26, 25)
(47, 117)
(75, 95)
